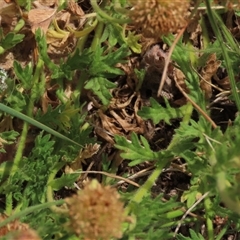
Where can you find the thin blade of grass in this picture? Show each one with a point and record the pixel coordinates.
(35, 123)
(217, 26)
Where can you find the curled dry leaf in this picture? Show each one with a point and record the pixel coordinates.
(223, 83)
(125, 124)
(207, 73)
(61, 47)
(41, 18)
(180, 78)
(195, 30)
(9, 9)
(75, 8)
(49, 98)
(87, 152)
(107, 127)
(8, 16)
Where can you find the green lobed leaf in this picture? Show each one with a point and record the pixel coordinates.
(151, 216)
(66, 180)
(42, 47)
(16, 100)
(24, 75)
(100, 86)
(112, 33)
(11, 39)
(79, 60)
(136, 150)
(157, 112)
(193, 235)
(183, 59)
(133, 42)
(103, 64)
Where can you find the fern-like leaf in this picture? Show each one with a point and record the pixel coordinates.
(157, 112)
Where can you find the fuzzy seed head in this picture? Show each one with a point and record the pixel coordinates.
(96, 212)
(19, 231)
(159, 17)
(26, 235)
(11, 227)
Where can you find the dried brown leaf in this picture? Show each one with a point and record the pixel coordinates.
(223, 83)
(75, 8)
(8, 16)
(195, 30)
(41, 18)
(48, 3)
(49, 98)
(180, 79)
(124, 123)
(89, 150)
(9, 9)
(107, 127)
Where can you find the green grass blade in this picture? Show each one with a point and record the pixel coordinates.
(35, 123)
(217, 26)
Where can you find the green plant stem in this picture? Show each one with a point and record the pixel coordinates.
(188, 113)
(50, 190)
(83, 78)
(9, 203)
(97, 35)
(219, 36)
(144, 189)
(23, 137)
(234, 45)
(205, 36)
(222, 232)
(104, 15)
(30, 210)
(174, 223)
(208, 210)
(81, 44)
(209, 223)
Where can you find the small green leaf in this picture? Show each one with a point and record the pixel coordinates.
(79, 60)
(104, 65)
(157, 113)
(11, 39)
(9, 136)
(193, 234)
(24, 75)
(132, 41)
(100, 86)
(134, 150)
(42, 46)
(112, 33)
(16, 100)
(64, 181)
